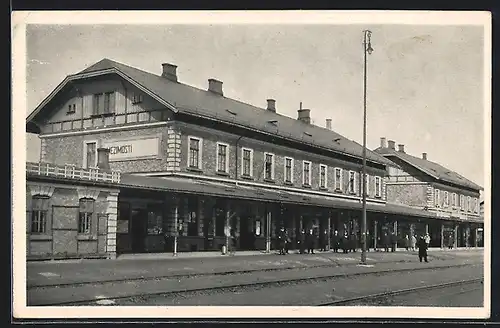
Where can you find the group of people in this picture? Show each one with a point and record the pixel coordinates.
(349, 243)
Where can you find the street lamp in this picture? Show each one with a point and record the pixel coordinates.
(367, 49)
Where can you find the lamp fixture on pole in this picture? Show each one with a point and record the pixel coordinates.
(367, 49)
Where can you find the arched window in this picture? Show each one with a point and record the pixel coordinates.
(85, 216)
(39, 210)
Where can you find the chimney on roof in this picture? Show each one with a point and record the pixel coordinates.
(271, 105)
(383, 142)
(304, 115)
(424, 156)
(329, 123)
(392, 144)
(103, 158)
(215, 86)
(169, 72)
(401, 148)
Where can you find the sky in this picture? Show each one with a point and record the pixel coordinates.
(424, 83)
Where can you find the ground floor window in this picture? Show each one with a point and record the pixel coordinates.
(39, 212)
(155, 219)
(85, 216)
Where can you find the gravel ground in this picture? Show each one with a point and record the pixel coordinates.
(468, 295)
(314, 292)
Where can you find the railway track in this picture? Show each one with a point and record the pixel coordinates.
(333, 264)
(226, 288)
(375, 298)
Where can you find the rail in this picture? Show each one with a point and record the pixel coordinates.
(69, 171)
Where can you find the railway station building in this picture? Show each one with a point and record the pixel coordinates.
(135, 162)
(421, 183)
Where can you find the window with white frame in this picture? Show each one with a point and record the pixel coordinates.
(352, 182)
(367, 184)
(247, 162)
(268, 166)
(323, 176)
(85, 216)
(195, 148)
(306, 173)
(222, 157)
(338, 178)
(39, 210)
(378, 187)
(454, 199)
(288, 169)
(90, 154)
(469, 204)
(437, 197)
(446, 200)
(462, 202)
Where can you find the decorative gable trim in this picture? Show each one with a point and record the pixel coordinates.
(88, 193)
(77, 77)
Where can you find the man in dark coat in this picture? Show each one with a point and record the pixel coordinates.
(394, 240)
(385, 241)
(302, 242)
(282, 241)
(335, 241)
(310, 241)
(344, 242)
(353, 242)
(422, 249)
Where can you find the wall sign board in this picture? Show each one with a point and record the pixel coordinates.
(132, 149)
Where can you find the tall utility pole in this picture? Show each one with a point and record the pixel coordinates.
(367, 49)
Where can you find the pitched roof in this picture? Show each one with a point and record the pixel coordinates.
(191, 100)
(435, 170)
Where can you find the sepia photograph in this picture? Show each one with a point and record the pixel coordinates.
(207, 163)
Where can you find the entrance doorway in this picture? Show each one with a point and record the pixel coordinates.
(247, 236)
(138, 229)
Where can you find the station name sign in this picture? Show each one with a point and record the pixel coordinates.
(132, 149)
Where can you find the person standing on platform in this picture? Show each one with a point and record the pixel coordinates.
(450, 241)
(413, 242)
(324, 240)
(233, 241)
(282, 241)
(335, 241)
(310, 242)
(302, 241)
(422, 249)
(385, 241)
(344, 243)
(406, 242)
(353, 242)
(394, 240)
(427, 240)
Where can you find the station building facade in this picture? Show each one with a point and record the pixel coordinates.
(423, 184)
(164, 166)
